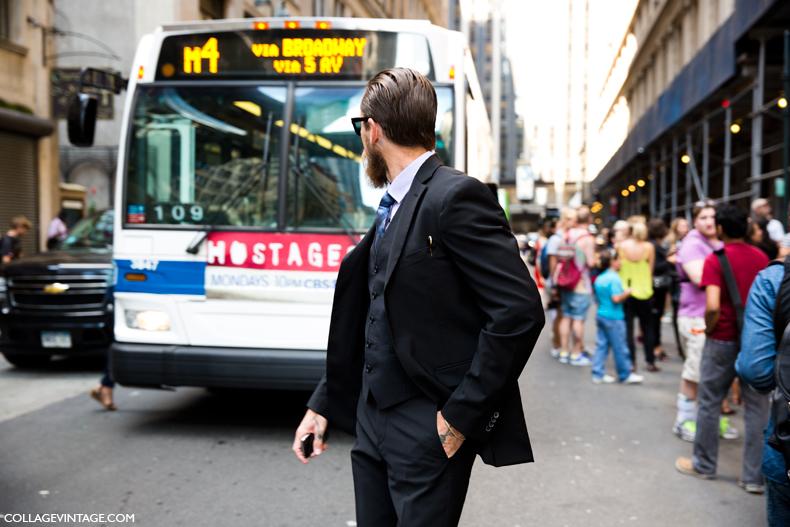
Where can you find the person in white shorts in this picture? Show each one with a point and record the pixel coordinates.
(696, 246)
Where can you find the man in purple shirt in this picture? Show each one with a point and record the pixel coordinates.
(696, 246)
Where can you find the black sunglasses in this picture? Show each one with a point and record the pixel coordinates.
(356, 122)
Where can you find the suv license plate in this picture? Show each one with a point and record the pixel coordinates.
(55, 339)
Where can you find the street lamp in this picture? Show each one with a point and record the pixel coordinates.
(631, 188)
(782, 103)
(685, 159)
(640, 183)
(624, 193)
(735, 128)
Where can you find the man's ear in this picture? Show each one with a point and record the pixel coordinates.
(374, 131)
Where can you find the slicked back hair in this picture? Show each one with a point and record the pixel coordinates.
(403, 102)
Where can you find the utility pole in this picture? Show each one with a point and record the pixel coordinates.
(496, 89)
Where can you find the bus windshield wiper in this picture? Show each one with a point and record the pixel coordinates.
(340, 220)
(197, 241)
(200, 237)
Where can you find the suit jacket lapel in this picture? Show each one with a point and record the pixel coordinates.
(406, 211)
(362, 249)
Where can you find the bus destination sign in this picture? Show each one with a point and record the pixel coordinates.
(274, 54)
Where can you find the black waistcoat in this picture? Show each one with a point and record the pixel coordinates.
(383, 375)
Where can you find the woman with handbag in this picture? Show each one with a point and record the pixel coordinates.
(663, 277)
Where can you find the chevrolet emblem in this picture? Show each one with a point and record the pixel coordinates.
(56, 288)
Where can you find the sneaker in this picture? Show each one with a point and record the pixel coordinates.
(555, 353)
(752, 488)
(726, 431)
(580, 360)
(686, 430)
(684, 465)
(606, 379)
(564, 357)
(633, 378)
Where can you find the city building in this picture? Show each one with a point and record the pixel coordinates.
(693, 105)
(481, 44)
(28, 151)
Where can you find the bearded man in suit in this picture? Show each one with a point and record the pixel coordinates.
(433, 320)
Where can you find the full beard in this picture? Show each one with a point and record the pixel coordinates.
(376, 168)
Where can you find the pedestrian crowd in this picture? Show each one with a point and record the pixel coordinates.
(721, 278)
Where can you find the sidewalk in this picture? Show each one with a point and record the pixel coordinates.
(605, 456)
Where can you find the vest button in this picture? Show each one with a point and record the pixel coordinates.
(375, 269)
(372, 320)
(368, 367)
(374, 295)
(368, 344)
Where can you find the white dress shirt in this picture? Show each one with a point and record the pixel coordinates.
(401, 185)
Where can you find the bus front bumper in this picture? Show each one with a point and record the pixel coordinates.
(159, 366)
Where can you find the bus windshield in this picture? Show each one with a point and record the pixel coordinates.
(210, 155)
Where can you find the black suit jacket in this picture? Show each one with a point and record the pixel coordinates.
(463, 311)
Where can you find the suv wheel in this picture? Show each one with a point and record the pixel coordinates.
(27, 361)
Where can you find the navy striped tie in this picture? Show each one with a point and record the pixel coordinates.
(383, 217)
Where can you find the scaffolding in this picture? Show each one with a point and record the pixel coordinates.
(729, 148)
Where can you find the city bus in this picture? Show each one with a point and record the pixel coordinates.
(241, 187)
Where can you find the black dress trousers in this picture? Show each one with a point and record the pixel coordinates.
(402, 477)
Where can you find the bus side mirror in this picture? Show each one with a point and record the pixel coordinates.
(82, 119)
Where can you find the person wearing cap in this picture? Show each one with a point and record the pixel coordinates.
(761, 210)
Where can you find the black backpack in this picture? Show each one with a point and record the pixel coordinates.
(780, 398)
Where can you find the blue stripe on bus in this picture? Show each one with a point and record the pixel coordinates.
(167, 278)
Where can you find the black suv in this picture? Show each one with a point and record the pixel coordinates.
(60, 302)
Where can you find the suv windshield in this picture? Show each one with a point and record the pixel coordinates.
(94, 232)
(210, 155)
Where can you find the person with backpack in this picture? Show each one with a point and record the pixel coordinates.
(541, 262)
(576, 256)
(765, 320)
(554, 309)
(727, 275)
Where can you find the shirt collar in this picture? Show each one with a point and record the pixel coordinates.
(402, 183)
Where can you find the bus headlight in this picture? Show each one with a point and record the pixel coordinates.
(148, 320)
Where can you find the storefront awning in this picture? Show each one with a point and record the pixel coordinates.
(26, 124)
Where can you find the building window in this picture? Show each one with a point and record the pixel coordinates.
(212, 9)
(5, 19)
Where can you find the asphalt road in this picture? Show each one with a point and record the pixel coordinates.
(604, 457)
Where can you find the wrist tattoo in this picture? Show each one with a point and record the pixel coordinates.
(451, 432)
(443, 436)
